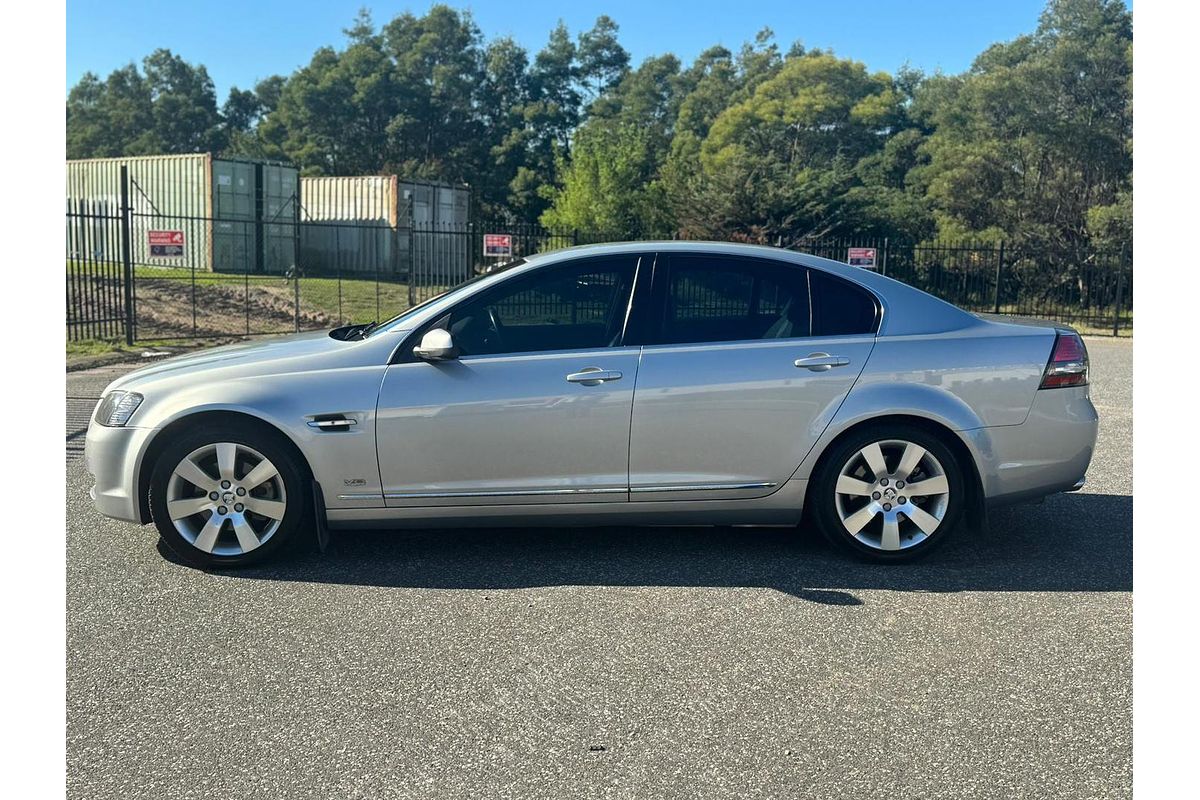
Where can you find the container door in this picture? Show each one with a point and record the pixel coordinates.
(235, 240)
(279, 218)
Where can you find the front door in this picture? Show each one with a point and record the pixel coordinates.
(537, 407)
(748, 364)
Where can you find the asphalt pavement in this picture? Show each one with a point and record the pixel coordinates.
(614, 662)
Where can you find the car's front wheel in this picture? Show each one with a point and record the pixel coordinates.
(890, 493)
(227, 496)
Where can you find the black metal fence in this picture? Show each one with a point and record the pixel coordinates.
(143, 276)
(1090, 287)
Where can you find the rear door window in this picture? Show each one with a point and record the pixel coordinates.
(728, 299)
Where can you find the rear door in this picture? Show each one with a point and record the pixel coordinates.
(746, 362)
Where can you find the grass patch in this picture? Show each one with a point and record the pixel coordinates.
(339, 299)
(95, 348)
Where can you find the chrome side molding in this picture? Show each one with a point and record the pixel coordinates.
(692, 487)
(510, 493)
(702, 487)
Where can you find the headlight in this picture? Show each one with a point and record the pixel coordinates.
(117, 407)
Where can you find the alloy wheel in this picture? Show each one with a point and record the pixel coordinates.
(226, 499)
(892, 495)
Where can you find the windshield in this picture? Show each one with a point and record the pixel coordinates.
(397, 322)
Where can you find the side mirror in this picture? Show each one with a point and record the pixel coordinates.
(436, 345)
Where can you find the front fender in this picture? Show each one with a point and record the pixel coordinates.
(337, 459)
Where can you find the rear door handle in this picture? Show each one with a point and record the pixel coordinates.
(594, 376)
(820, 362)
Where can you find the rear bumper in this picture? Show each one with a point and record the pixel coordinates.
(112, 456)
(1048, 453)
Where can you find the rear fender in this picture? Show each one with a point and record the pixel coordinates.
(878, 400)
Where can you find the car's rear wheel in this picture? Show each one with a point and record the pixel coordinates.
(227, 496)
(890, 493)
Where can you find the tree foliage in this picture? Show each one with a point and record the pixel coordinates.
(1033, 142)
(169, 106)
(1038, 132)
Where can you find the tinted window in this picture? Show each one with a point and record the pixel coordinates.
(840, 308)
(558, 308)
(712, 299)
(408, 313)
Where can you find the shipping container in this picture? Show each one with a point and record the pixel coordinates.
(439, 214)
(232, 215)
(428, 203)
(383, 225)
(349, 225)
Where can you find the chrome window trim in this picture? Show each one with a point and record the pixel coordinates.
(551, 354)
(793, 341)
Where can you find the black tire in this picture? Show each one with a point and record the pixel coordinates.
(297, 513)
(822, 492)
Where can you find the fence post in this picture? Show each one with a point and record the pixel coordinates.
(883, 261)
(999, 270)
(1120, 290)
(127, 255)
(412, 260)
(296, 297)
(296, 266)
(575, 237)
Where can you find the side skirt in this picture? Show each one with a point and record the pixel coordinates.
(783, 507)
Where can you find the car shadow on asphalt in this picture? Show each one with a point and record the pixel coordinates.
(1069, 543)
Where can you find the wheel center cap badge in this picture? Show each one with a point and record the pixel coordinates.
(889, 492)
(227, 497)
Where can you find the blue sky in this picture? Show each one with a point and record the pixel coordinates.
(241, 42)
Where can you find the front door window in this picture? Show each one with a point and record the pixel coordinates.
(578, 307)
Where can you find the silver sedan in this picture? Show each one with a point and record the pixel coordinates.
(642, 383)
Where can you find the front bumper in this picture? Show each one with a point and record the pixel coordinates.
(113, 457)
(1048, 453)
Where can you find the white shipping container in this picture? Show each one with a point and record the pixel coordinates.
(349, 225)
(212, 202)
(365, 224)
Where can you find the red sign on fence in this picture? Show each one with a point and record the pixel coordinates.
(165, 244)
(861, 257)
(497, 244)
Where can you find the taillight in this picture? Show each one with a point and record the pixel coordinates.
(1068, 363)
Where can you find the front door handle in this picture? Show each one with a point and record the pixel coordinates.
(820, 362)
(594, 376)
